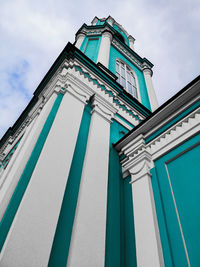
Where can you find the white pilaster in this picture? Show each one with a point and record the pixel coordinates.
(79, 39)
(148, 245)
(11, 175)
(131, 42)
(151, 92)
(31, 236)
(104, 50)
(87, 246)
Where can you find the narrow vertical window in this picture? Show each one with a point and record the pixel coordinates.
(126, 78)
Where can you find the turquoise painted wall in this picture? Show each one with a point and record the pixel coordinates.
(120, 238)
(27, 173)
(62, 238)
(90, 47)
(183, 168)
(114, 54)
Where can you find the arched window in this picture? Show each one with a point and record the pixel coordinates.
(126, 78)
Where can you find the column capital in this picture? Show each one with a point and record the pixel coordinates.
(79, 39)
(74, 90)
(80, 34)
(131, 41)
(147, 70)
(103, 108)
(108, 34)
(138, 161)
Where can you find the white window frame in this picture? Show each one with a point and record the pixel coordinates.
(127, 69)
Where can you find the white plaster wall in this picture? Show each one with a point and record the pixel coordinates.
(31, 237)
(104, 50)
(18, 161)
(148, 251)
(151, 91)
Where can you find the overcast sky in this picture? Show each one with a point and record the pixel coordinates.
(33, 33)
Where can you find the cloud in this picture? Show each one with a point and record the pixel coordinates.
(33, 33)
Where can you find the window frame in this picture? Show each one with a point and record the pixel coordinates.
(132, 81)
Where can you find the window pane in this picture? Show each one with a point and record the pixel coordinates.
(123, 72)
(123, 83)
(130, 88)
(133, 80)
(129, 76)
(135, 92)
(117, 67)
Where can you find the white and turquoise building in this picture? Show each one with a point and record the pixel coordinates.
(94, 173)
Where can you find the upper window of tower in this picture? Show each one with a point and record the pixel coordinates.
(126, 78)
(120, 37)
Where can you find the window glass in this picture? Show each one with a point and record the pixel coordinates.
(123, 71)
(123, 82)
(130, 88)
(126, 78)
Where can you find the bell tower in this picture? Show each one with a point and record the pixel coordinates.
(63, 198)
(108, 43)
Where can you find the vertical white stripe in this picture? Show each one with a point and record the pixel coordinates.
(104, 50)
(87, 246)
(148, 249)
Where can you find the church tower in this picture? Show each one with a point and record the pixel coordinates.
(75, 179)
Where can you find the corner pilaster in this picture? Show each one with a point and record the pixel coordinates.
(138, 163)
(104, 50)
(149, 84)
(79, 39)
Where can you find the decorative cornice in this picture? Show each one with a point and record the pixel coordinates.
(173, 136)
(137, 157)
(125, 52)
(124, 49)
(103, 108)
(73, 77)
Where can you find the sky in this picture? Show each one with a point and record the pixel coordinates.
(33, 33)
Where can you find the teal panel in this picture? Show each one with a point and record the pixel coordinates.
(27, 173)
(129, 232)
(114, 54)
(167, 252)
(118, 239)
(83, 45)
(92, 47)
(61, 243)
(168, 125)
(184, 175)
